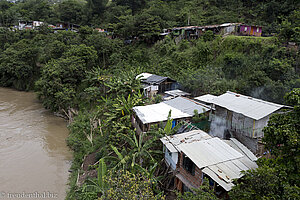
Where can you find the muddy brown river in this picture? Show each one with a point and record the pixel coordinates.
(34, 158)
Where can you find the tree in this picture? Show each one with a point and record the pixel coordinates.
(140, 149)
(134, 5)
(97, 6)
(265, 182)
(204, 192)
(104, 46)
(127, 185)
(282, 135)
(71, 11)
(278, 177)
(8, 13)
(18, 67)
(59, 85)
(147, 26)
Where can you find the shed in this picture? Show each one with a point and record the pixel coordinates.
(181, 109)
(172, 143)
(153, 84)
(196, 154)
(251, 30)
(242, 117)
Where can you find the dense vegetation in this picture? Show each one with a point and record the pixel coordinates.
(90, 79)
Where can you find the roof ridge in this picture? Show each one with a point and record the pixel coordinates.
(195, 102)
(255, 99)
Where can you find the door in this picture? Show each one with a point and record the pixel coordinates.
(251, 32)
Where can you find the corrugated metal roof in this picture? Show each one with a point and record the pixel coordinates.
(143, 75)
(176, 93)
(187, 105)
(215, 157)
(213, 175)
(209, 152)
(229, 24)
(155, 79)
(207, 98)
(157, 113)
(180, 108)
(234, 143)
(185, 138)
(187, 27)
(171, 147)
(245, 105)
(219, 160)
(152, 78)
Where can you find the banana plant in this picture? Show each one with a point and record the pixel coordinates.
(140, 149)
(124, 105)
(149, 173)
(99, 185)
(122, 160)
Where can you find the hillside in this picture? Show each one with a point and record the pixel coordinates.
(90, 79)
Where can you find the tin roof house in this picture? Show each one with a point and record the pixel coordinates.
(154, 84)
(239, 116)
(182, 109)
(25, 25)
(196, 155)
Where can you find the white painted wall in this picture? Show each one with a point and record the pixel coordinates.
(171, 158)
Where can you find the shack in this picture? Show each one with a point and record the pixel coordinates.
(187, 32)
(196, 155)
(250, 30)
(242, 117)
(222, 29)
(182, 109)
(194, 32)
(154, 84)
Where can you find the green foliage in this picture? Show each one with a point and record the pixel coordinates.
(60, 79)
(208, 36)
(18, 67)
(127, 185)
(264, 183)
(203, 192)
(71, 11)
(277, 177)
(140, 149)
(92, 188)
(93, 76)
(198, 118)
(282, 134)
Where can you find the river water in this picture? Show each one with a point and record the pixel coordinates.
(34, 158)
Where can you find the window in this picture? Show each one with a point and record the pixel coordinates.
(246, 28)
(188, 165)
(257, 30)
